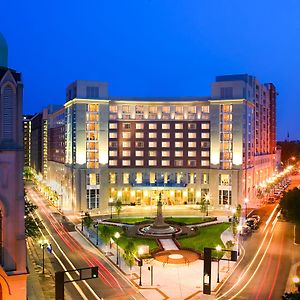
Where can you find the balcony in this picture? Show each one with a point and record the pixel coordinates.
(159, 185)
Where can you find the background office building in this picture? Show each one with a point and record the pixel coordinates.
(132, 149)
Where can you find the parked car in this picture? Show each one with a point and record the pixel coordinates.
(245, 230)
(257, 217)
(252, 223)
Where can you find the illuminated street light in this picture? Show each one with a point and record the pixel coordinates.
(140, 254)
(43, 243)
(296, 281)
(207, 198)
(117, 236)
(218, 248)
(110, 201)
(246, 200)
(239, 230)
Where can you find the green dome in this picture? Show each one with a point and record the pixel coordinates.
(3, 51)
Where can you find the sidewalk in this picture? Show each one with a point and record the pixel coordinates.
(295, 271)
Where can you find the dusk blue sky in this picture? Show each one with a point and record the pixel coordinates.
(154, 47)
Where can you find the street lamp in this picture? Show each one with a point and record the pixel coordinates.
(233, 210)
(246, 200)
(117, 236)
(110, 201)
(207, 198)
(218, 248)
(43, 243)
(97, 232)
(140, 253)
(296, 281)
(239, 230)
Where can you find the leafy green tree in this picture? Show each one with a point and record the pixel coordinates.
(31, 223)
(88, 222)
(129, 253)
(118, 207)
(105, 233)
(290, 205)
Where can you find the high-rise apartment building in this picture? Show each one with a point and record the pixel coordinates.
(132, 149)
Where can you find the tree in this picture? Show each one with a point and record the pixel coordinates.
(129, 253)
(105, 234)
(118, 207)
(88, 221)
(31, 223)
(290, 205)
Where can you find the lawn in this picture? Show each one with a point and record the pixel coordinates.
(130, 220)
(123, 240)
(206, 237)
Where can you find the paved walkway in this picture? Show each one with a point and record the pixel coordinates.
(168, 244)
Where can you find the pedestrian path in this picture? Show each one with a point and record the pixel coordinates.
(168, 244)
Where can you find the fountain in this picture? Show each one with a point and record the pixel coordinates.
(159, 228)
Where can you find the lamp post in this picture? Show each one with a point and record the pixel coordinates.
(233, 210)
(207, 198)
(246, 200)
(97, 232)
(218, 248)
(43, 244)
(117, 236)
(296, 281)
(239, 230)
(140, 253)
(110, 201)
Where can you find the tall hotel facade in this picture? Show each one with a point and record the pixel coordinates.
(224, 146)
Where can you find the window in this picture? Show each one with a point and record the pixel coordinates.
(139, 109)
(204, 144)
(152, 144)
(191, 109)
(139, 126)
(152, 153)
(205, 126)
(178, 109)
(93, 179)
(178, 144)
(125, 109)
(166, 109)
(139, 162)
(152, 126)
(205, 163)
(112, 178)
(226, 108)
(125, 162)
(192, 144)
(225, 179)
(227, 118)
(192, 163)
(139, 177)
(165, 135)
(125, 178)
(192, 135)
(224, 197)
(126, 135)
(92, 92)
(139, 153)
(226, 92)
(113, 153)
(126, 153)
(139, 144)
(165, 144)
(165, 153)
(205, 135)
(191, 153)
(153, 109)
(113, 162)
(204, 178)
(113, 125)
(126, 144)
(139, 135)
(178, 153)
(178, 163)
(152, 135)
(113, 135)
(92, 197)
(178, 135)
(205, 109)
(165, 162)
(126, 125)
(165, 126)
(113, 108)
(152, 177)
(152, 162)
(205, 153)
(178, 126)
(192, 178)
(192, 126)
(227, 127)
(179, 177)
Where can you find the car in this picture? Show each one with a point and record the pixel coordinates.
(245, 230)
(252, 223)
(257, 217)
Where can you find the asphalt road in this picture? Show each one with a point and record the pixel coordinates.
(111, 284)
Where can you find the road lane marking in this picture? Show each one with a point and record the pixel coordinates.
(270, 217)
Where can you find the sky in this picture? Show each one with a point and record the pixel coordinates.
(154, 47)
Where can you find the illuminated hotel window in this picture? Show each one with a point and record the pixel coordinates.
(152, 153)
(152, 144)
(192, 126)
(113, 162)
(139, 153)
(139, 125)
(113, 153)
(139, 162)
(125, 162)
(139, 144)
(178, 126)
(178, 135)
(192, 178)
(178, 163)
(92, 117)
(227, 117)
(204, 178)
(205, 153)
(139, 109)
(165, 135)
(126, 126)
(152, 162)
(192, 163)
(92, 127)
(227, 127)
(126, 152)
(139, 177)
(93, 179)
(113, 108)
(205, 126)
(226, 108)
(178, 153)
(165, 126)
(166, 110)
(165, 144)
(225, 179)
(153, 109)
(91, 136)
(204, 144)
(93, 107)
(191, 109)
(152, 135)
(125, 109)
(125, 178)
(126, 135)
(112, 178)
(205, 163)
(227, 165)
(178, 177)
(165, 162)
(152, 126)
(166, 177)
(113, 135)
(226, 136)
(205, 109)
(191, 144)
(139, 135)
(152, 177)
(178, 109)
(165, 153)
(126, 144)
(205, 135)
(191, 153)
(192, 135)
(178, 144)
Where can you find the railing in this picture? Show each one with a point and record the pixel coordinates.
(158, 184)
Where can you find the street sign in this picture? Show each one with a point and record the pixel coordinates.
(49, 248)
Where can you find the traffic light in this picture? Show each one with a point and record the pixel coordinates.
(94, 272)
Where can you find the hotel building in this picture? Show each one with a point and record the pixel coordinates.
(132, 149)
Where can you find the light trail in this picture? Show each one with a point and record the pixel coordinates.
(270, 217)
